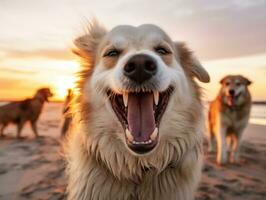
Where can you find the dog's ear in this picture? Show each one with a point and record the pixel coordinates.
(248, 82)
(191, 63)
(86, 45)
(223, 79)
(199, 70)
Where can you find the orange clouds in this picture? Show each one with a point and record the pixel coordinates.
(58, 54)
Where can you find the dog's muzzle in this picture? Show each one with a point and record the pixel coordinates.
(141, 105)
(232, 97)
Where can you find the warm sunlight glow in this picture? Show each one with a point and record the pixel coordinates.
(61, 85)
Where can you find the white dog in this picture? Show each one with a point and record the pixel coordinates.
(138, 119)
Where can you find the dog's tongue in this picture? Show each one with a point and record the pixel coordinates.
(140, 116)
(232, 100)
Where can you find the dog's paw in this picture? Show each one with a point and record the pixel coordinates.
(221, 162)
(235, 162)
(21, 137)
(234, 159)
(222, 158)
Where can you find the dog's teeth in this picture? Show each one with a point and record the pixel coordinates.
(129, 136)
(142, 142)
(154, 134)
(156, 97)
(125, 98)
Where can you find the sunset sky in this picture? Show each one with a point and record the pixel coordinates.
(229, 37)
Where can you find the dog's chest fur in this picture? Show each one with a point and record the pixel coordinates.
(235, 117)
(99, 182)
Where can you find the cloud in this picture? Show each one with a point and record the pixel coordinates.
(213, 28)
(17, 71)
(17, 88)
(263, 69)
(55, 54)
(10, 82)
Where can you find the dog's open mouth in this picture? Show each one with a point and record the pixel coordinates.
(232, 99)
(140, 114)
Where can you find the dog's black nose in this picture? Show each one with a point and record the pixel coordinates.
(140, 68)
(231, 92)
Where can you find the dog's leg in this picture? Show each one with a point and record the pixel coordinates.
(2, 130)
(65, 126)
(19, 129)
(211, 143)
(229, 142)
(236, 146)
(211, 135)
(34, 128)
(221, 144)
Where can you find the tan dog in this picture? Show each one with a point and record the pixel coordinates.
(138, 120)
(22, 111)
(67, 113)
(228, 117)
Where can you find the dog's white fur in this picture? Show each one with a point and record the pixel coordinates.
(226, 122)
(100, 165)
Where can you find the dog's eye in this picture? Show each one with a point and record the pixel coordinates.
(227, 83)
(238, 84)
(161, 50)
(112, 53)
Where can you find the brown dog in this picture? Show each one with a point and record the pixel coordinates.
(228, 117)
(22, 111)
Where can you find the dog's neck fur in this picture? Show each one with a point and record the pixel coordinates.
(40, 97)
(137, 182)
(136, 168)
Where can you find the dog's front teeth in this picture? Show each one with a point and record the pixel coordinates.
(154, 134)
(125, 98)
(156, 97)
(129, 136)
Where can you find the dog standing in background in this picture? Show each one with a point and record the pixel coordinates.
(228, 117)
(66, 113)
(138, 119)
(22, 111)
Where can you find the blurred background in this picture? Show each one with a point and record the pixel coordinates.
(36, 37)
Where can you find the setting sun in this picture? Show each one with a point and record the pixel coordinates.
(62, 84)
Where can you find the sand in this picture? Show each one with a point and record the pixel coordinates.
(34, 168)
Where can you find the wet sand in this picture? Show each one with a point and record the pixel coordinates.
(34, 168)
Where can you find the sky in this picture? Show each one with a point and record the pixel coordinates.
(227, 36)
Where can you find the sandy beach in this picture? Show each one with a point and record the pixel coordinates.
(34, 168)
